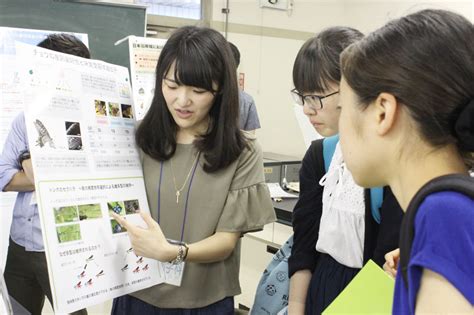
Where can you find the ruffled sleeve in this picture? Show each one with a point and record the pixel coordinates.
(248, 206)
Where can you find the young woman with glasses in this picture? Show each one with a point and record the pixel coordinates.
(335, 233)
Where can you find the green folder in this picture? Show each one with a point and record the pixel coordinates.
(370, 292)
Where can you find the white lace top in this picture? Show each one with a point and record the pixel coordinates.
(342, 227)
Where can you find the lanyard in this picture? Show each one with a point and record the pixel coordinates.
(187, 195)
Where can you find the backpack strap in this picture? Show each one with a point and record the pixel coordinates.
(454, 182)
(376, 194)
(376, 200)
(329, 146)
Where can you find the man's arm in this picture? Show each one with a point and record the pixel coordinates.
(13, 176)
(251, 122)
(23, 180)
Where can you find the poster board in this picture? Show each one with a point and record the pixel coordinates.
(11, 104)
(86, 166)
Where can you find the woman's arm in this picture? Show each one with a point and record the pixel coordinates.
(438, 296)
(299, 284)
(150, 242)
(307, 212)
(214, 248)
(306, 219)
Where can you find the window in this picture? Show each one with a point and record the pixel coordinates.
(188, 9)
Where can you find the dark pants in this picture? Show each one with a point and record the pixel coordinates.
(26, 277)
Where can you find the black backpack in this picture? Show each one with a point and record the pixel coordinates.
(455, 182)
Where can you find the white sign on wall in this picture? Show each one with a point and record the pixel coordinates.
(144, 53)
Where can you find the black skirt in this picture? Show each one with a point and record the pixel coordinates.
(328, 280)
(129, 305)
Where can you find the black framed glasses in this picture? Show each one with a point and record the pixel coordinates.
(313, 101)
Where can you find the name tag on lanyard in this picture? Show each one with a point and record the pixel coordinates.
(173, 273)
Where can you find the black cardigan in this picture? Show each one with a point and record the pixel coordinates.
(379, 238)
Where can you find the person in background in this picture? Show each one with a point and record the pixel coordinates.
(407, 109)
(248, 117)
(26, 271)
(335, 232)
(203, 176)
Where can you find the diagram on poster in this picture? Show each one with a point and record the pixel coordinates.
(86, 166)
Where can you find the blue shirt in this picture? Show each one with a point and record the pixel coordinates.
(248, 112)
(443, 243)
(26, 228)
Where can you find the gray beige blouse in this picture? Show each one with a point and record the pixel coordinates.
(235, 199)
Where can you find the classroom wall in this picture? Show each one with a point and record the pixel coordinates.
(269, 40)
(371, 14)
(267, 58)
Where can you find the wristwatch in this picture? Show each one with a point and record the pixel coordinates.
(24, 155)
(182, 254)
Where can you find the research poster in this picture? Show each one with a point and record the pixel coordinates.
(11, 103)
(144, 53)
(79, 118)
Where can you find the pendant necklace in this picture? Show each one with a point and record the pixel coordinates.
(178, 191)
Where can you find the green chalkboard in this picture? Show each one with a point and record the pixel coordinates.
(104, 23)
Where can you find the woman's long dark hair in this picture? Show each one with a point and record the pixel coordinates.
(202, 56)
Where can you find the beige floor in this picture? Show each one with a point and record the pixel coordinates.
(100, 309)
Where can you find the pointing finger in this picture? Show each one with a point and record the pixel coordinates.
(150, 222)
(124, 223)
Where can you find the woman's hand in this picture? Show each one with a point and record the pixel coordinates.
(391, 262)
(148, 242)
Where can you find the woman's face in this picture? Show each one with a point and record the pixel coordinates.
(355, 144)
(324, 120)
(188, 105)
